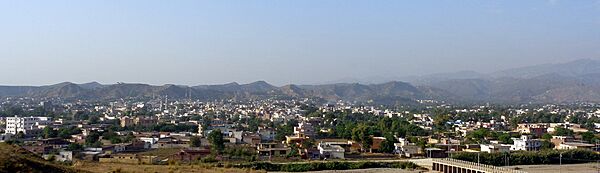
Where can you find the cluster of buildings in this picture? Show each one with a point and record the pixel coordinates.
(304, 141)
(26, 125)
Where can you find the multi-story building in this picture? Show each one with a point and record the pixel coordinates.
(306, 129)
(266, 134)
(537, 129)
(126, 121)
(27, 125)
(145, 121)
(272, 149)
(140, 121)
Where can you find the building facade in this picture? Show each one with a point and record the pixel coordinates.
(27, 125)
(525, 143)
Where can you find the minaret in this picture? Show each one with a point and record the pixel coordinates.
(190, 94)
(166, 101)
(161, 106)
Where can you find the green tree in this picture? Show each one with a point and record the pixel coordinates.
(361, 134)
(547, 136)
(293, 152)
(283, 131)
(559, 131)
(92, 139)
(66, 132)
(20, 135)
(479, 135)
(129, 137)
(306, 144)
(217, 143)
(588, 136)
(387, 146)
(74, 147)
(547, 145)
(505, 138)
(49, 132)
(195, 141)
(93, 119)
(115, 140)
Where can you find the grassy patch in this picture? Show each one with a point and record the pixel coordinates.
(161, 152)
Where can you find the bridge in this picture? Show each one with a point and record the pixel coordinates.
(448, 165)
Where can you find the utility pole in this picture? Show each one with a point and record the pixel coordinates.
(449, 146)
(505, 161)
(478, 153)
(596, 149)
(560, 163)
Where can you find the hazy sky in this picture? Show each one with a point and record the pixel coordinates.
(281, 41)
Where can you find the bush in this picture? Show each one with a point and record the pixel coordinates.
(209, 159)
(319, 166)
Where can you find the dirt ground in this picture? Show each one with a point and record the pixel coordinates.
(131, 168)
(374, 170)
(571, 168)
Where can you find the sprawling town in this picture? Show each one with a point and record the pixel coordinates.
(313, 86)
(183, 131)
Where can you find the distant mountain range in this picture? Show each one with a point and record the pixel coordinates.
(574, 81)
(399, 92)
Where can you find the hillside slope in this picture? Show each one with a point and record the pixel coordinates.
(15, 160)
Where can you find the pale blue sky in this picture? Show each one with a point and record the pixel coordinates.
(302, 41)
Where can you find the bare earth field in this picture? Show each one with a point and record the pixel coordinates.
(571, 168)
(373, 170)
(130, 168)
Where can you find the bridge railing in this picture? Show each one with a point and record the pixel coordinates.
(475, 166)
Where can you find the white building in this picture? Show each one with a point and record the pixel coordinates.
(495, 148)
(331, 151)
(149, 140)
(64, 156)
(406, 149)
(525, 143)
(27, 125)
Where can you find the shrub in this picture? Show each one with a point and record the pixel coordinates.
(318, 166)
(209, 159)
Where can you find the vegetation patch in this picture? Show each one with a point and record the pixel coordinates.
(319, 166)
